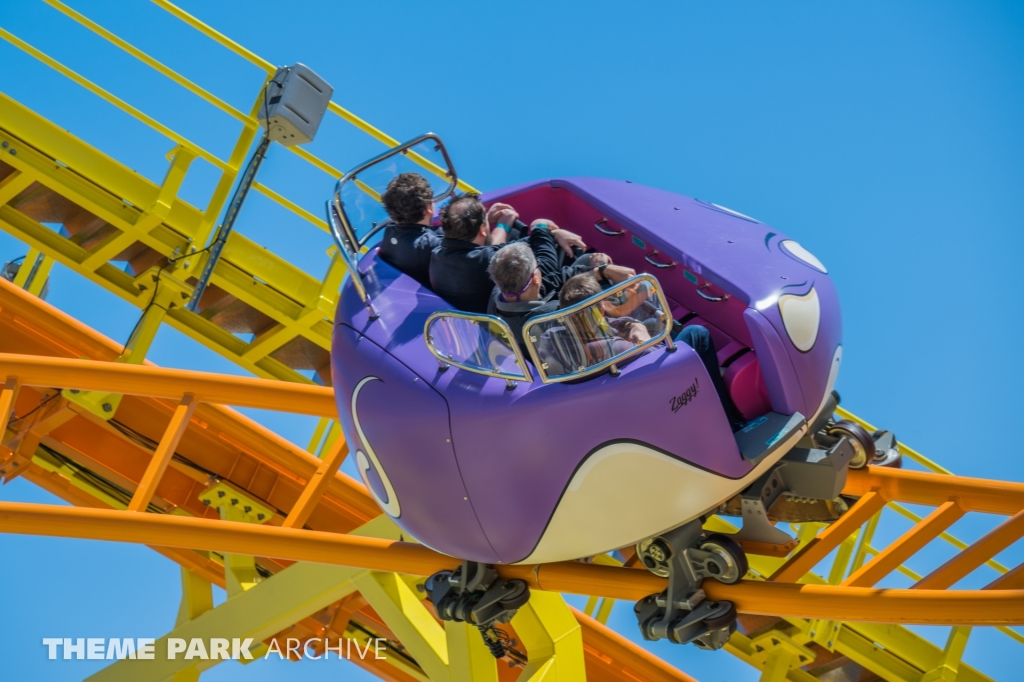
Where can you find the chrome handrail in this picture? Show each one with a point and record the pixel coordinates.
(610, 233)
(351, 262)
(446, 360)
(612, 362)
(709, 297)
(374, 230)
(655, 263)
(353, 175)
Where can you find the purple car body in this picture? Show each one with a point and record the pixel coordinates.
(549, 472)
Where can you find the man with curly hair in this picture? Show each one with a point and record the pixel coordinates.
(408, 241)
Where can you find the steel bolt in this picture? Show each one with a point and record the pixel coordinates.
(107, 407)
(206, 503)
(74, 391)
(220, 493)
(247, 509)
(234, 501)
(658, 551)
(261, 516)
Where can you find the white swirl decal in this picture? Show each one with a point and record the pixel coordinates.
(800, 253)
(367, 460)
(802, 316)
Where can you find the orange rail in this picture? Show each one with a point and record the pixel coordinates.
(918, 606)
(161, 382)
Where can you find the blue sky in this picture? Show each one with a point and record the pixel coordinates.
(885, 137)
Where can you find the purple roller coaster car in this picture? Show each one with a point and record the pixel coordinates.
(492, 470)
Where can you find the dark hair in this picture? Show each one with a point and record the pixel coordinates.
(407, 198)
(512, 267)
(578, 287)
(462, 217)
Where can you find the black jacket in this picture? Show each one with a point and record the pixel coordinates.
(458, 274)
(517, 313)
(551, 259)
(408, 248)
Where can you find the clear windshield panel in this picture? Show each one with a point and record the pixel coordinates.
(604, 330)
(361, 192)
(477, 343)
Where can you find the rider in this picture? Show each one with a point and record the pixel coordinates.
(582, 287)
(528, 277)
(458, 266)
(408, 240)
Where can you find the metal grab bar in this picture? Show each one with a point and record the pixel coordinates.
(655, 263)
(350, 259)
(610, 233)
(535, 322)
(708, 297)
(505, 332)
(352, 176)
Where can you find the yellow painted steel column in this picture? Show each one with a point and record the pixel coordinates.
(469, 660)
(318, 435)
(162, 457)
(553, 640)
(27, 263)
(778, 653)
(949, 664)
(40, 274)
(240, 572)
(196, 597)
(268, 608)
(403, 611)
(776, 667)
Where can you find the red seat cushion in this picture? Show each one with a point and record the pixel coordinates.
(746, 386)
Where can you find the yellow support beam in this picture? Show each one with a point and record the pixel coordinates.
(553, 640)
(469, 660)
(196, 597)
(273, 605)
(109, 97)
(14, 184)
(402, 609)
(25, 269)
(240, 574)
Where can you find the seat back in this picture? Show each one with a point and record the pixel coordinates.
(746, 386)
